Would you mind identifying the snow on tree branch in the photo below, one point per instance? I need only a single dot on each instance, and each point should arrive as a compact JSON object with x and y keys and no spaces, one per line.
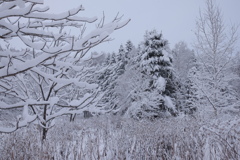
{"x":46,"y":78}
{"x":36,"y":22}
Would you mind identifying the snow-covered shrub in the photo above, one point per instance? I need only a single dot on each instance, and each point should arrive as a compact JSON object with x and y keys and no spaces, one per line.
{"x":106,"y":137}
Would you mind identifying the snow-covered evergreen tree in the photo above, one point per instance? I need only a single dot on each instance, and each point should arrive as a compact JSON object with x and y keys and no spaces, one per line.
{"x":190,"y":92}
{"x":107,"y":79}
{"x":121,"y":53}
{"x":129,"y":46}
{"x":183,"y":60}
{"x":156,"y":62}
{"x":107,"y":60}
{"x":113,"y":58}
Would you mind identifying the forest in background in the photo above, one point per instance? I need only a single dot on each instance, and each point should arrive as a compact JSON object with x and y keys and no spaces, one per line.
{"x":59,"y":101}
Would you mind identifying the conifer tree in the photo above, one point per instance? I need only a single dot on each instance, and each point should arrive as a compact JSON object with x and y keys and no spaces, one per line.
{"x":108,"y":79}
{"x":191,"y":98}
{"x":129,"y":46}
{"x":157,"y":64}
{"x":113,"y":58}
{"x":121,"y":53}
{"x":157,"y":61}
{"x":183,"y":60}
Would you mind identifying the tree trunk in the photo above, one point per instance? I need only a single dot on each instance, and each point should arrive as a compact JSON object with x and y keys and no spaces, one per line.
{"x":44,"y":134}
{"x":72,"y":117}
{"x":44,"y":131}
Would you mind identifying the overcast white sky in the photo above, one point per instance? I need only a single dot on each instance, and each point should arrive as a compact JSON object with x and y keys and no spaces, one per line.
{"x":175,"y":18}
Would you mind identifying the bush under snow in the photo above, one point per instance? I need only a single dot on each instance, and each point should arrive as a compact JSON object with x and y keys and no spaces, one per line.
{"x":117,"y":138}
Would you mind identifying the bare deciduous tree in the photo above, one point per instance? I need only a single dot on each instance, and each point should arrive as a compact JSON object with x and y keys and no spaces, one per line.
{"x":214,"y":48}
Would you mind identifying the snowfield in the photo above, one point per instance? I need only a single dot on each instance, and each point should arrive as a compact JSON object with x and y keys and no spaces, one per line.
{"x":112,"y":137}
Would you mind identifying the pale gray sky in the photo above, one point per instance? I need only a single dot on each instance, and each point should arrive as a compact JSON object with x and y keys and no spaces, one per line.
{"x":175,"y":18}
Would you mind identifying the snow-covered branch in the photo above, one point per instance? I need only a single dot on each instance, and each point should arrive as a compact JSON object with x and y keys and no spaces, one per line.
{"x":46,"y":78}
{"x":4,"y":105}
{"x":33,"y":21}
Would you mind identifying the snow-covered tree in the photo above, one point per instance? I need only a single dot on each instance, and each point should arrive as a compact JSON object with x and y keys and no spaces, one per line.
{"x":236,"y":70}
{"x":113,"y":58}
{"x":183,"y":60}
{"x":108,"y":58}
{"x":39,"y":77}
{"x":189,"y":101}
{"x":129,"y":46}
{"x":23,"y":19}
{"x":133,"y":97}
{"x":157,"y":60}
{"x":214,"y":48}
{"x":121,"y":53}
{"x":157,"y":63}
{"x":55,"y":88}
{"x":107,"y":80}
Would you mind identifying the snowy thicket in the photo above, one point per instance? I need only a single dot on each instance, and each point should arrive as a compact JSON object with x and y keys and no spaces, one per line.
{"x":129,"y":90}
{"x":109,"y":138}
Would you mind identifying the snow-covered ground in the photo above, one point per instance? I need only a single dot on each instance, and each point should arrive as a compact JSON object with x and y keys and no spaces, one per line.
{"x":107,"y":137}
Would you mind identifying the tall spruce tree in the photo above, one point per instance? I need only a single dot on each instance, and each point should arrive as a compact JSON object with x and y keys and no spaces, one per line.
{"x":191,"y":92}
{"x":157,"y":64}
{"x":121,"y":53}
{"x":157,"y":61}
{"x":129,"y":46}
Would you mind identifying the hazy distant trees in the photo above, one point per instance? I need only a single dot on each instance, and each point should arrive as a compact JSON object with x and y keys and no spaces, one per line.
{"x":183,"y":61}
